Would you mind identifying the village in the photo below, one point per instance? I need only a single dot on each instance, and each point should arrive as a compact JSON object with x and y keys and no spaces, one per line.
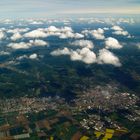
{"x":91,"y":115}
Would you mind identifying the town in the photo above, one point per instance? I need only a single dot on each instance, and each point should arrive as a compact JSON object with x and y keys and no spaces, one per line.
{"x":98,"y":113}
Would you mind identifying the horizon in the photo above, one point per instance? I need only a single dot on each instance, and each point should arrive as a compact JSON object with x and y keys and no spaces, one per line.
{"x":16,"y":9}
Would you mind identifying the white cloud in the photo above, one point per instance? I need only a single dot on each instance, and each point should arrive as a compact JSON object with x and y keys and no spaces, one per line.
{"x":16,"y":36}
{"x":78,"y":35}
{"x":2,"y":35}
{"x":27,"y":45}
{"x":52,"y":29}
{"x":66,"y":29}
{"x":38,"y":42}
{"x":63,"y":33}
{"x":83,"y":43}
{"x":91,"y":20}
{"x":97,"y":34}
{"x":59,"y":52}
{"x":33,"y":56}
{"x":70,"y":35}
{"x":75,"y":56}
{"x":7,"y":21}
{"x":119,"y":31}
{"x":22,"y":57}
{"x":109,"y":21}
{"x":21,"y":45}
{"x":85,"y":54}
{"x":126,"y":21}
{"x":117,"y":28}
{"x":55,"y":29}
{"x":138,"y":45}
{"x":66,"y":35}
{"x":36,"y":23}
{"x":86,"y":32}
{"x":107,"y":57}
{"x":106,"y":28}
{"x":124,"y":33}
{"x":35,"y":34}
{"x":4,"y":53}
{"x":18,"y":30}
{"x":2,"y":29}
{"x":112,"y":43}
{"x":17,"y":33}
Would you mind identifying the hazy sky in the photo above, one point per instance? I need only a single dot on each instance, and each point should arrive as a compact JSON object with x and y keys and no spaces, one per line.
{"x":58,"y":8}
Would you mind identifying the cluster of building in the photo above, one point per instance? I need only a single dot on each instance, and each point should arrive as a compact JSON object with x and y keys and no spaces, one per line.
{"x":106,"y":99}
{"x":95,"y":107}
{"x":25,"y":105}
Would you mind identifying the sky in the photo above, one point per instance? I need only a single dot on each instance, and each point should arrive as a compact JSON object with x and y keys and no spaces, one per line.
{"x":65,"y":8}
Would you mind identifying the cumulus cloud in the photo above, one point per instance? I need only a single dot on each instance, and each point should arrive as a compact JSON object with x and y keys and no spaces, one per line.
{"x":88,"y":57}
{"x":52,"y":29}
{"x":7,"y":21}
{"x":91,"y":20}
{"x":124,"y":33}
{"x":66,"y":29}
{"x":27,"y":45}
{"x":70,"y":35}
{"x":2,"y":29}
{"x":112,"y":43}
{"x":125,"y":20}
{"x":62,"y":29}
{"x":138,"y":45}
{"x":63,"y":33}
{"x":55,"y":29}
{"x":21,"y":45}
{"x":75,"y":56}
{"x":22,"y":57}
{"x":83,"y":43}
{"x":36,"y":23}
{"x":2,"y":35}
{"x":38,"y":42}
{"x":35,"y":34}
{"x":106,"y":28}
{"x":4,"y":53}
{"x":117,"y":28}
{"x":107,"y":57}
{"x":110,"y":21}
{"x":16,"y":36}
{"x":85,"y":54}
{"x":59,"y":52}
{"x":97,"y":34}
{"x":18,"y":30}
{"x":17,"y":33}
{"x":78,"y":35}
{"x":33,"y":56}
{"x":66,"y":35}
{"x":120,"y":31}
